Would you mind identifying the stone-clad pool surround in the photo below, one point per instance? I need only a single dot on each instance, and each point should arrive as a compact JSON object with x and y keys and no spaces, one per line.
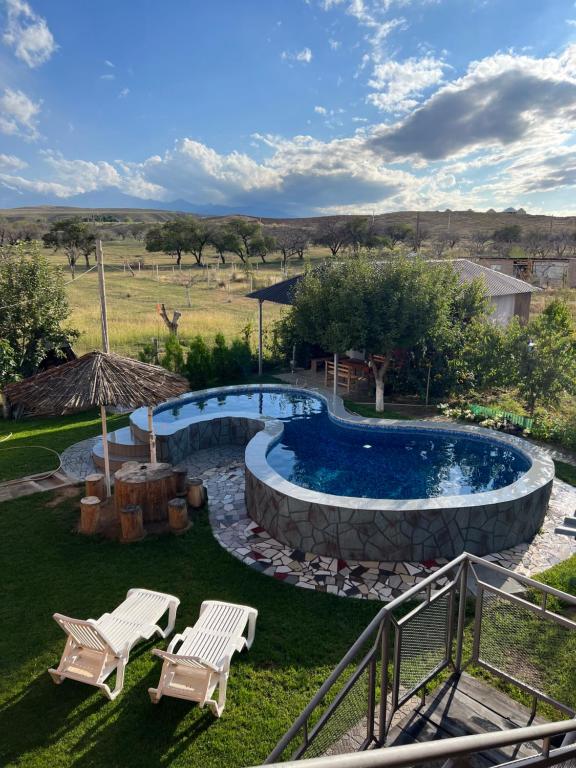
{"x":360,"y":528}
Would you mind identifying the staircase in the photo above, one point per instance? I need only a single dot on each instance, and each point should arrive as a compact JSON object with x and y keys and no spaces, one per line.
{"x":123,"y":446}
{"x":569,"y":527}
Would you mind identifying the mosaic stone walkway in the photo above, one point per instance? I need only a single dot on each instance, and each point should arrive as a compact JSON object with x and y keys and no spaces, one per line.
{"x":222,"y":470}
{"x":223,"y":473}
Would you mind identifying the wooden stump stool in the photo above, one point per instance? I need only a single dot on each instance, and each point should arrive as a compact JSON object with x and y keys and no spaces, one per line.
{"x":178,"y":515}
{"x":89,"y":515}
{"x":132,"y":523}
{"x":195,"y":492}
{"x":96,"y":486}
{"x":180,"y":480}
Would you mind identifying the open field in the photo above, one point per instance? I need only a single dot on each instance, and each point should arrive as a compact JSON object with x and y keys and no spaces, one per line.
{"x":217,"y":296}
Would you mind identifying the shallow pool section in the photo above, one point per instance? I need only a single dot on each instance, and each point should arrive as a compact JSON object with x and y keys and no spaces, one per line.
{"x":322,"y":480}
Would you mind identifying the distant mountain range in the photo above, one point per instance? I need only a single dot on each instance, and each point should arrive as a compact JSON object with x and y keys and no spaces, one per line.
{"x":110,"y":198}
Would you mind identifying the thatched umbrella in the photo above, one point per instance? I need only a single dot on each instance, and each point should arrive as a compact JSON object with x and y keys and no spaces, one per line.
{"x":96,"y":379}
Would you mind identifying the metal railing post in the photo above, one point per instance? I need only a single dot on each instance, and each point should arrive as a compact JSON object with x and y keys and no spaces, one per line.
{"x":385,"y":652}
{"x":461,"y":616}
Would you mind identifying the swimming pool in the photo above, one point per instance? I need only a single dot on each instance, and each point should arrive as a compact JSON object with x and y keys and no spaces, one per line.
{"x":322,"y":480}
{"x":324,"y":455}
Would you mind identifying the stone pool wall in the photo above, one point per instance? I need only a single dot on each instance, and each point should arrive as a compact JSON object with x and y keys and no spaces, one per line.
{"x":223,"y":430}
{"x":400,"y":534}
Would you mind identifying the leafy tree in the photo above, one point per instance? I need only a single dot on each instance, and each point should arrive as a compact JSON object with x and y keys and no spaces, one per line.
{"x":246,"y":239}
{"x":173,"y":359}
{"x":198,"y":370}
{"x":8,"y":367}
{"x":380,"y":307}
{"x":289,"y":241}
{"x":545,"y":354}
{"x":173,"y":237}
{"x":223,"y":241}
{"x":33,"y":308}
{"x":74,"y":237}
{"x":332,"y":234}
{"x":397,"y":233}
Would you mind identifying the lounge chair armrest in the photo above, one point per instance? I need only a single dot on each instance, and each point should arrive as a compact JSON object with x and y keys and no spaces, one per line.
{"x":174,"y":658}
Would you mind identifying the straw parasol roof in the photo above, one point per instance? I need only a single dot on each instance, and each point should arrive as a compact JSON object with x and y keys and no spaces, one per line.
{"x":96,"y":378}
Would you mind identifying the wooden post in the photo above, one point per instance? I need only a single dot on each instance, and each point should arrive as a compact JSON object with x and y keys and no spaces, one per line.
{"x":151,"y":435}
{"x":105,"y":449}
{"x":195,"y":492}
{"x":260,"y":332}
{"x":102,"y":287}
{"x":335,"y":385}
{"x":96,"y":485}
{"x":131,"y":522}
{"x":89,"y":515}
{"x":178,"y":515}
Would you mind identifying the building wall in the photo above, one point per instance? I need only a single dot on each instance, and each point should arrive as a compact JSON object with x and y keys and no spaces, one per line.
{"x":504,"y":307}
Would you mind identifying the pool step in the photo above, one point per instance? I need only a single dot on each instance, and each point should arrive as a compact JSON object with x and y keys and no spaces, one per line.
{"x":123,"y":446}
{"x":569,"y":527}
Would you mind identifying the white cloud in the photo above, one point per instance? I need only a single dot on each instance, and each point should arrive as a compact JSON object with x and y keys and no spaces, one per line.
{"x":571,"y":22}
{"x":334,"y":44}
{"x":11,"y":162}
{"x":108,"y":63}
{"x":108,"y":77}
{"x":320,"y":110}
{"x":123,"y":93}
{"x":399,"y":85}
{"x":304,"y":56}
{"x":18,"y":114}
{"x":28,"y":34}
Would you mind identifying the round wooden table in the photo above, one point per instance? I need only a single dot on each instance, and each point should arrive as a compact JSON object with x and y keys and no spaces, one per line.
{"x":149,"y":485}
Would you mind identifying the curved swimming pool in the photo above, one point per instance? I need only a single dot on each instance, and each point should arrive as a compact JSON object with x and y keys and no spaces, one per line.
{"x":328,"y":456}
{"x":322,"y":480}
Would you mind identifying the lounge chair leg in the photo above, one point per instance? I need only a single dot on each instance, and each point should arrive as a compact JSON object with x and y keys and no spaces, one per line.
{"x":171,"y":621}
{"x":119,"y":680}
{"x":218,"y":707}
{"x":251,"y":629}
{"x":57,"y":678}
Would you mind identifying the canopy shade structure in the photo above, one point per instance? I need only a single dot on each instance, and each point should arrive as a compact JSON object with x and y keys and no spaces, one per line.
{"x":95,"y":379}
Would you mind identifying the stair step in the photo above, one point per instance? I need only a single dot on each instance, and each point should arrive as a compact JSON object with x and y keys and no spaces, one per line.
{"x":122,"y":442}
{"x":570,"y":522}
{"x":119,"y":457}
{"x":565,"y":530}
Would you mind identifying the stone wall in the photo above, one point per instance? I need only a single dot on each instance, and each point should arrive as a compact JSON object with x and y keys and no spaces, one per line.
{"x":420,"y":535}
{"x":225,"y":430}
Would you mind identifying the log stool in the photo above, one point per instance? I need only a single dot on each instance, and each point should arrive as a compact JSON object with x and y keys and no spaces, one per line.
{"x":180,"y":479}
{"x":149,"y":485}
{"x":195,"y":492}
{"x":178,"y":516}
{"x":132,"y":523}
{"x":96,"y":486}
{"x":89,"y":515}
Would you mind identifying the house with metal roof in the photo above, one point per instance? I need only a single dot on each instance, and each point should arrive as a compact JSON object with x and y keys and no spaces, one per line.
{"x":509,"y":296}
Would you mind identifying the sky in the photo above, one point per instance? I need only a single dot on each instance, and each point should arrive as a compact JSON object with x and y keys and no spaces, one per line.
{"x":289,"y":107}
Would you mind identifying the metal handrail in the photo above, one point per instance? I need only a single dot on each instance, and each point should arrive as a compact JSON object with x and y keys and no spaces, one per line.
{"x":459,"y":569}
{"x":352,"y":652}
{"x":410,"y":754}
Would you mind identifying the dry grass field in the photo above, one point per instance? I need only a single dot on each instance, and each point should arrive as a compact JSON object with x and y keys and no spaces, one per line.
{"x":215,"y":300}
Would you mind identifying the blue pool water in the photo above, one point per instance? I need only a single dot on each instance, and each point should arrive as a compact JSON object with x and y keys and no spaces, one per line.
{"x":318,"y":453}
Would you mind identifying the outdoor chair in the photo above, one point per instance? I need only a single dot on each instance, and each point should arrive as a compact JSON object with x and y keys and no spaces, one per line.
{"x":202,"y":662}
{"x":96,"y":648}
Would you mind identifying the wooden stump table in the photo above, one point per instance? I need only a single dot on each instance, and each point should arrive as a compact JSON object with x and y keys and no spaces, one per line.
{"x":151,"y":486}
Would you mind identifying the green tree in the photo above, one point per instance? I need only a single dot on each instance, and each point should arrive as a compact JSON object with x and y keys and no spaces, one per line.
{"x":33,"y":308}
{"x":199,"y":371}
{"x":245,"y":238}
{"x":379,"y":307}
{"x":74,"y":237}
{"x":223,"y":241}
{"x":186,"y":234}
{"x":545,"y":354}
{"x":173,"y":359}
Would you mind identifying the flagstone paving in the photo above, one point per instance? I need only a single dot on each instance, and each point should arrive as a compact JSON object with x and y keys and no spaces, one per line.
{"x":222,"y":470}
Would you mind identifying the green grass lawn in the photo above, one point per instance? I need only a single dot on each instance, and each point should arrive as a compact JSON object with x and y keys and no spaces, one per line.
{"x":19,"y":458}
{"x":370,"y":412}
{"x":566,"y":472}
{"x":300,"y":636}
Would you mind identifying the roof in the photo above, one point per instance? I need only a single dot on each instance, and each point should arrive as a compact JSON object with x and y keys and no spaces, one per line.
{"x":94,"y":379}
{"x":497,"y":283}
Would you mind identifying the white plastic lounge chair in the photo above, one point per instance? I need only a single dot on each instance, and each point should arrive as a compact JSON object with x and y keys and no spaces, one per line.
{"x":202,"y":662}
{"x":96,"y":648}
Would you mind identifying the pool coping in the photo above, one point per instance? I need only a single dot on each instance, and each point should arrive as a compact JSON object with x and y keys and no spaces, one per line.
{"x":540,"y":473}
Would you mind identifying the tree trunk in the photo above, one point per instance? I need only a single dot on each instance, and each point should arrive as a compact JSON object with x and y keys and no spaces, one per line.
{"x":380,"y":369}
{"x":87,"y":260}
{"x":221,"y":255}
{"x":178,"y":257}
